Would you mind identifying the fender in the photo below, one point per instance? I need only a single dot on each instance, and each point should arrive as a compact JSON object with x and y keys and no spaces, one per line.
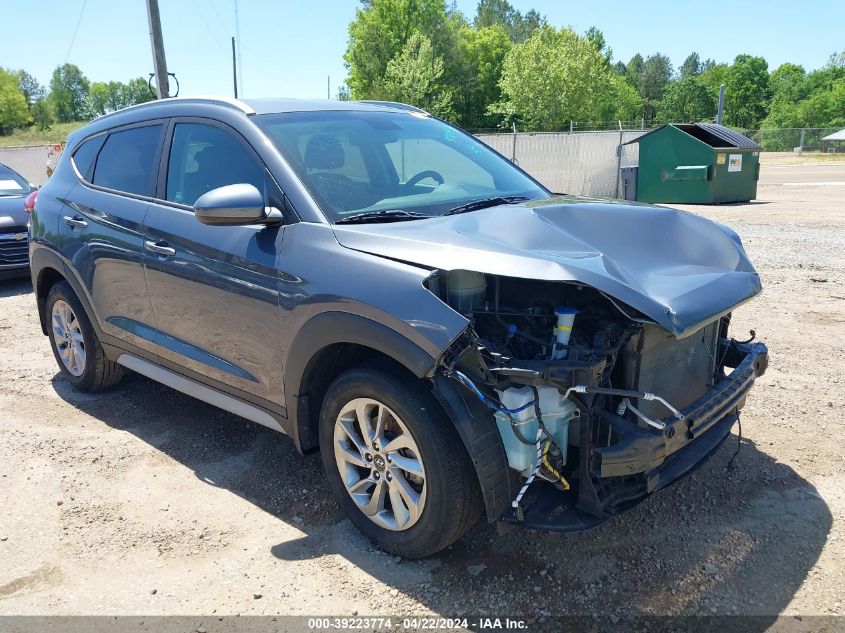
{"x":330,"y":328}
{"x":480,"y":435}
{"x":41,"y":257}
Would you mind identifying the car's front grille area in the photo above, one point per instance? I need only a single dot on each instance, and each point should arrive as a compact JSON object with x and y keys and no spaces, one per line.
{"x":14,"y":246}
{"x":679,"y":370}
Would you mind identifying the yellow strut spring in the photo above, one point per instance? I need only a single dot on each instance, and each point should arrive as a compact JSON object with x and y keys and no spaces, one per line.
{"x":549,"y":466}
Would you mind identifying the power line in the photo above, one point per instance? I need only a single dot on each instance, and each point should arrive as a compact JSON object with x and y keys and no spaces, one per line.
{"x":75,"y":30}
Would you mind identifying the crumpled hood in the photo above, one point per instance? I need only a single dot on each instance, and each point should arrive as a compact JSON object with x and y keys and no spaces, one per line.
{"x":677,"y":268}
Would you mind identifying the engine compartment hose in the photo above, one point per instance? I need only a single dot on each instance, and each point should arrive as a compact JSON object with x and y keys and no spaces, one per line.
{"x":624,"y":393}
{"x":466,"y":382}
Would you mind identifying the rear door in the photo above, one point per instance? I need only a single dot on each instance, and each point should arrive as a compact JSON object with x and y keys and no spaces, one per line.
{"x":213,"y":288}
{"x":100,"y":228}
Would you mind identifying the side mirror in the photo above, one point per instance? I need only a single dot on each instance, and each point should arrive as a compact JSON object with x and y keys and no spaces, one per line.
{"x":234,"y":205}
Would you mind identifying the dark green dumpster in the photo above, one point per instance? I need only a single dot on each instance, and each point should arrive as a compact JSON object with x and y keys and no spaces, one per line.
{"x":697,"y":163}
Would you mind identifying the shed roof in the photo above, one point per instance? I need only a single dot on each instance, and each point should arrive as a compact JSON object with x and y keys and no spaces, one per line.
{"x":710,"y":133}
{"x":836,"y":136}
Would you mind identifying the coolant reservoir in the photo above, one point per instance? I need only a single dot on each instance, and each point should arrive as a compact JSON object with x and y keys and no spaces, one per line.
{"x":466,"y":290}
{"x":557,"y":413}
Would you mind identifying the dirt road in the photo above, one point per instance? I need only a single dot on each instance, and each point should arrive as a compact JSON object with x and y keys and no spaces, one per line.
{"x":145,"y":501}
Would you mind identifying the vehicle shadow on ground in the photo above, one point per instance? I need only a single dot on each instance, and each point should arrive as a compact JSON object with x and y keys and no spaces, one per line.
{"x":15,"y":287}
{"x":719,"y":541}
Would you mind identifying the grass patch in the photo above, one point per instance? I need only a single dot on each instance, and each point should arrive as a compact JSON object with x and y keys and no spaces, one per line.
{"x":33,"y":136}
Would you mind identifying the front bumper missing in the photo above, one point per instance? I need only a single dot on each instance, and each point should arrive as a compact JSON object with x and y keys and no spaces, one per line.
{"x":648,"y":460}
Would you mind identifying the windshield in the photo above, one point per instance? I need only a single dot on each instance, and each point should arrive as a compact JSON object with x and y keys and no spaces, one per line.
{"x":12,"y":183}
{"x":366,"y":162}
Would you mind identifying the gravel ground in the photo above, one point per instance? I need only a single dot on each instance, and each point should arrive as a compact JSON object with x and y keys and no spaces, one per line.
{"x":145,"y":501}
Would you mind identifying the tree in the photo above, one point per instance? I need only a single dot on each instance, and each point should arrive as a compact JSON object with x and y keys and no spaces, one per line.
{"x":656,"y":75}
{"x":500,"y":12}
{"x":42,"y":114}
{"x":557,"y":76}
{"x":413,"y":77}
{"x":596,"y":38}
{"x":634,"y":71}
{"x":691,"y":66}
{"x":482,"y":53}
{"x":29,"y":86}
{"x":13,"y":110}
{"x":686,"y":101}
{"x":747,"y":92}
{"x":380,"y":31}
{"x":343,"y":93}
{"x":69,"y":93}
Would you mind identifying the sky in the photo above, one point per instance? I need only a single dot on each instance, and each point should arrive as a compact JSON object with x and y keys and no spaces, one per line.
{"x":290,"y":49}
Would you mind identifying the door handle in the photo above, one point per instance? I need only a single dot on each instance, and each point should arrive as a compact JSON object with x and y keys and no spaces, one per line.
{"x":160,"y":247}
{"x":77,"y":223}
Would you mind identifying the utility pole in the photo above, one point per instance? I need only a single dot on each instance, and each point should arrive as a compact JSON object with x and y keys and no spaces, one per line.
{"x":329,"y":87}
{"x":159,"y":61}
{"x":721,"y":109}
{"x":234,"y":69}
{"x":238,"y":36}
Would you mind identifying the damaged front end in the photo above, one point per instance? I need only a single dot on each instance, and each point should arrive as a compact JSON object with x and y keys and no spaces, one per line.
{"x":576,"y":406}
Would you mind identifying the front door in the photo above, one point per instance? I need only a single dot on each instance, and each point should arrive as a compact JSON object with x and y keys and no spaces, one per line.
{"x":213,"y":288}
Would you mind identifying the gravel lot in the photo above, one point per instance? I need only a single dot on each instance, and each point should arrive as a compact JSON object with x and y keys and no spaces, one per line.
{"x":145,"y":501}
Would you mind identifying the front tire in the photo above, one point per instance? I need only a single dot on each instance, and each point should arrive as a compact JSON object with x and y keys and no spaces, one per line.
{"x":77,"y":349}
{"x":395,"y":462}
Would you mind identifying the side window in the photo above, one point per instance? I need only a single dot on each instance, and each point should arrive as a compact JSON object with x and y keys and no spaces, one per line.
{"x":204,"y":157}
{"x":127,"y":160}
{"x":86,"y":154}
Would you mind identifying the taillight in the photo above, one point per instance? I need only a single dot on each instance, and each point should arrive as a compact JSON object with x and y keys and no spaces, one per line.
{"x":29,"y":203}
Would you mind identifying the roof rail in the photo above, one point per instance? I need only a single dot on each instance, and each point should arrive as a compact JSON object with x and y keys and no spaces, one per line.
{"x":393,"y":104}
{"x":227,"y":101}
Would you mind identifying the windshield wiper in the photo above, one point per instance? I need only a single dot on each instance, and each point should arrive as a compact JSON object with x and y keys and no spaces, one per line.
{"x":485,"y":203}
{"x":389,"y":215}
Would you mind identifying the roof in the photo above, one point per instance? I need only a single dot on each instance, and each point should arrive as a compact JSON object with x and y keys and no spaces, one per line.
{"x":272,"y":106}
{"x":710,"y":133}
{"x":836,"y":136}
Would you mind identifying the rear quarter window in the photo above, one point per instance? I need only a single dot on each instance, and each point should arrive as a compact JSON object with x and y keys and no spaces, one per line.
{"x":86,"y":154}
{"x":128,"y":160}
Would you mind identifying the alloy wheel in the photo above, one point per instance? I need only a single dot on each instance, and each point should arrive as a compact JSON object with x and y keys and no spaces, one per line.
{"x":67,"y":335}
{"x":380,"y":464}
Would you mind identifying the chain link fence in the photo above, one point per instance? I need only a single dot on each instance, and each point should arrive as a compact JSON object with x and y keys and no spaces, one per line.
{"x":789,"y":139}
{"x":581,"y":163}
{"x":589,"y":163}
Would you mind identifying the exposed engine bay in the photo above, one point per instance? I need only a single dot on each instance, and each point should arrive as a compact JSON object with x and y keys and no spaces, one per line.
{"x":595,"y":404}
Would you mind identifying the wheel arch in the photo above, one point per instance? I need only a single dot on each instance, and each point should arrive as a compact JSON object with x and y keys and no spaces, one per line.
{"x":325,"y":346}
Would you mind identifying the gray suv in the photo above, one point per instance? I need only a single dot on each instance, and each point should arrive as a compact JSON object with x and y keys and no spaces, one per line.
{"x":379,"y":285}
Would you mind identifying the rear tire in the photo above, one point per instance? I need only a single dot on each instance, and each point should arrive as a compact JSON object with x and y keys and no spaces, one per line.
{"x":418,"y":456}
{"x":77,"y":349}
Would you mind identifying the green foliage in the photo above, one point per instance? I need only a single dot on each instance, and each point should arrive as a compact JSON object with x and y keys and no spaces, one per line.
{"x":691,"y":66}
{"x":482,"y":53}
{"x":114,"y":95}
{"x":747,"y":92}
{"x":413,"y":77}
{"x":557,"y":76}
{"x":519,"y":27}
{"x":42,"y":115}
{"x":29,"y":86}
{"x":596,"y":38}
{"x":69,"y":93}
{"x":655,"y":77}
{"x":687,"y":101}
{"x":380,"y":31}
{"x":13,"y":108}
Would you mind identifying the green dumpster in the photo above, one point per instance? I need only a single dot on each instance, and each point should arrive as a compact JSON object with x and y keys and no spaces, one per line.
{"x":697,"y":163}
